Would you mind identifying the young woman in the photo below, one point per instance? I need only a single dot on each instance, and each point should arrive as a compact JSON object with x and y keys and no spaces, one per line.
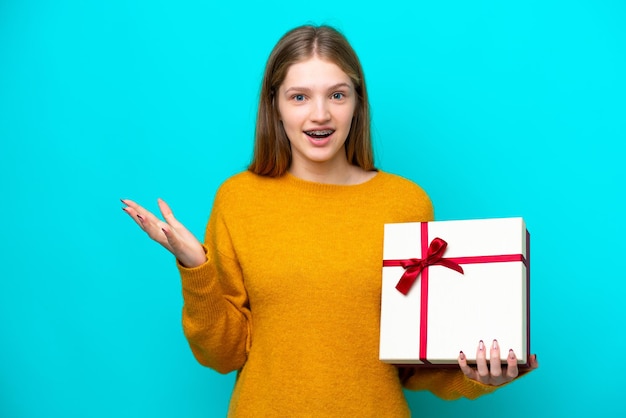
{"x":285,"y":289}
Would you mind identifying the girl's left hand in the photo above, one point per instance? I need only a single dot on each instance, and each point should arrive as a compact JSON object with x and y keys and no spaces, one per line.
{"x":493,"y":374}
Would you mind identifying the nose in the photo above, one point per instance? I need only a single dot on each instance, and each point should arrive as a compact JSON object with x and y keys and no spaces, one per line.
{"x":320,"y":111}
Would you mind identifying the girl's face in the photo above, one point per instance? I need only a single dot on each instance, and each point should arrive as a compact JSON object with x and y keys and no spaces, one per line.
{"x":316,"y":102}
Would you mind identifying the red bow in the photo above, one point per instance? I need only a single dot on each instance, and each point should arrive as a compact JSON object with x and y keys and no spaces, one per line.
{"x":414,"y":266}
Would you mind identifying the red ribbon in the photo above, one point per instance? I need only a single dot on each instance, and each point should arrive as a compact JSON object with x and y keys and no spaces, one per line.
{"x":413,"y":267}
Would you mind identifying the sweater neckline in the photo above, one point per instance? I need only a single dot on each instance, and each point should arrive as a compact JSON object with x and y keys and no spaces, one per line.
{"x":329,"y":187}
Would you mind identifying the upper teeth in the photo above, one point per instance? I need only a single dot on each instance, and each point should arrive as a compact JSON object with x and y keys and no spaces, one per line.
{"x":324,"y":132}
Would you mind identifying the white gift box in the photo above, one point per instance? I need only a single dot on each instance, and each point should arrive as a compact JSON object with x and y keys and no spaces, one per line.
{"x":445,"y":311}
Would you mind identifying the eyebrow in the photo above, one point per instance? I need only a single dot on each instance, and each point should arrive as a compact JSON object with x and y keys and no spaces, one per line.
{"x":308,"y":90}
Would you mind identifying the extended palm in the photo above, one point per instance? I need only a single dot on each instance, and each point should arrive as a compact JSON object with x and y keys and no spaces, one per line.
{"x":169,"y":233}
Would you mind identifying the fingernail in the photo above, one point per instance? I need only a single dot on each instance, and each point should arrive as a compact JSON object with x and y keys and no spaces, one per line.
{"x":140,"y":217}
{"x":481,"y":345}
{"x":511,"y":353}
{"x":164,"y":231}
{"x":124,"y":209}
{"x":122,"y":200}
{"x":495,"y":345}
{"x":461,"y":355}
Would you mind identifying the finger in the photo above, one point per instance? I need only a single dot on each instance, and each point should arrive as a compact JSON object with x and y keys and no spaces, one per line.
{"x":533,"y":361}
{"x":172,"y":243}
{"x":166,"y":211}
{"x":133,"y":215}
{"x":481,"y":362}
{"x":465,"y":368}
{"x":511,"y":370}
{"x":183,"y":233}
{"x":146,"y":221}
{"x":138,"y":213}
{"x":168,"y":215}
{"x":132,"y":205}
{"x":494,"y":361}
{"x":155,"y":230}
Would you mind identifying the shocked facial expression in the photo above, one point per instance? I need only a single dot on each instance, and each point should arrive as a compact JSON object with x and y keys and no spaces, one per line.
{"x":316,"y":102}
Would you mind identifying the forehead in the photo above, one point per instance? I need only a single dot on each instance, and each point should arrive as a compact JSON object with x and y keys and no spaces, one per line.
{"x":314,"y":72}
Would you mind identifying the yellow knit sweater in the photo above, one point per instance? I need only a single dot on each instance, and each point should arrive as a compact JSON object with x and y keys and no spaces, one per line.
{"x":290,"y":297}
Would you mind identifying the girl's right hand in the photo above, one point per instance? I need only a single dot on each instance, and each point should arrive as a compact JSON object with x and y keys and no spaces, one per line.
{"x":171,"y":234}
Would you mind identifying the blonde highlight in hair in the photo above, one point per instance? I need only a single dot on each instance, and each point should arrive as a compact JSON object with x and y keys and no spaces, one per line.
{"x":272,"y":150}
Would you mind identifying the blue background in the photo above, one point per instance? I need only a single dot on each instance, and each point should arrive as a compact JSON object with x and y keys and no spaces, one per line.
{"x":496,"y":108}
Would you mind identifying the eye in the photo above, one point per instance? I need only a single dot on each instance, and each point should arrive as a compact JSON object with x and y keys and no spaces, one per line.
{"x":298,"y":97}
{"x":338,"y":96}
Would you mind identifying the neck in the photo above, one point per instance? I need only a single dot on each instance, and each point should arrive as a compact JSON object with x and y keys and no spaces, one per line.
{"x":327,"y":173}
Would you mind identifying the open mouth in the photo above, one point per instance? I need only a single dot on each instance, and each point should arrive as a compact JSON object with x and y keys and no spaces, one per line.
{"x":320,"y":134}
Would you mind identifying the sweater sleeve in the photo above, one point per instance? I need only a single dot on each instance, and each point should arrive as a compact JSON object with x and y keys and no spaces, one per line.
{"x":448,"y":384}
{"x":216,"y":314}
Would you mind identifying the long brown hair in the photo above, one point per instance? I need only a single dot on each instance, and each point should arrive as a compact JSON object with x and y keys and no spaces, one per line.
{"x":272,"y":151}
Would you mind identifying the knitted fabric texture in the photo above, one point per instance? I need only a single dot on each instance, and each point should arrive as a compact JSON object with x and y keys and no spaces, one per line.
{"x":290,"y":298}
